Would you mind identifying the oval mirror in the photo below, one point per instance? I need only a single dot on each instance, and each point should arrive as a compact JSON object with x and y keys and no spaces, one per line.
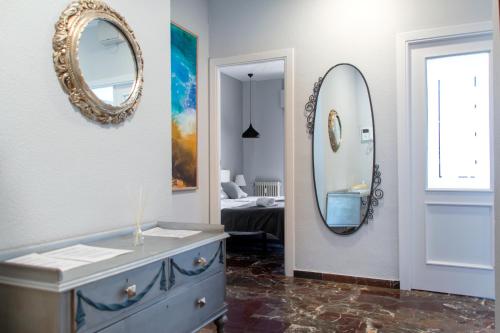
{"x":98,"y":61}
{"x":107,"y":62}
{"x":343,"y":149}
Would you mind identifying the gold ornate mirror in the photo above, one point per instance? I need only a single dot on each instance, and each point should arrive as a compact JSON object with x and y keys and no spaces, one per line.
{"x":98,"y":61}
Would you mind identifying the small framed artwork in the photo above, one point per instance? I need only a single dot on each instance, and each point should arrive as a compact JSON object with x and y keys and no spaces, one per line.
{"x":184,"y":106}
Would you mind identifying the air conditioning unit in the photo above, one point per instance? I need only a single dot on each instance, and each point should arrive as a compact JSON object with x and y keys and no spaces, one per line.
{"x":108,"y":34}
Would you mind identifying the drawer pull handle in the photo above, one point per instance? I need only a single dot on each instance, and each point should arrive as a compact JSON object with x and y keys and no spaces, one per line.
{"x":201,"y":302}
{"x":201,"y":261}
{"x":131,"y":291}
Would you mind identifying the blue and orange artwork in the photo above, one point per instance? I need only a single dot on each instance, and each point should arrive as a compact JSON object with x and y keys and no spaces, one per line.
{"x":184,"y":48}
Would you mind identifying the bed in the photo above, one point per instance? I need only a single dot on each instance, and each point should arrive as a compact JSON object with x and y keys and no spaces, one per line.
{"x":244,"y":217}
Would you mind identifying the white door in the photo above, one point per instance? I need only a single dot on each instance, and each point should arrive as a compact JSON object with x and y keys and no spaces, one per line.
{"x":452,"y":218}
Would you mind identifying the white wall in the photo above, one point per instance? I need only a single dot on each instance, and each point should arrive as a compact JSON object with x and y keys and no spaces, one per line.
{"x":231,"y":153}
{"x":263,"y":157}
{"x":324,"y":33}
{"x":192,"y":206}
{"x":60,"y":174}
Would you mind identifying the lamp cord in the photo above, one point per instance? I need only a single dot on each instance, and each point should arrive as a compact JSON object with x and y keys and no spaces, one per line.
{"x":250,"y":100}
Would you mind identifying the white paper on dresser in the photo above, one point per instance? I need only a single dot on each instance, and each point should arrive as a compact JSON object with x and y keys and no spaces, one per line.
{"x":85,"y":253}
{"x":38,"y":260}
{"x":172,"y":233}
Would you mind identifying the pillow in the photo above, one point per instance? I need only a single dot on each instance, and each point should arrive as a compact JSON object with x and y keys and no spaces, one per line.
{"x":242,"y":193}
{"x":233,"y":190}
{"x":223,"y":195}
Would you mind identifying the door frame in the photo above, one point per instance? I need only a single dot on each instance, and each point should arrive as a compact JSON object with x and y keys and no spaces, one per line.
{"x":287,"y":55}
{"x":404,"y":44}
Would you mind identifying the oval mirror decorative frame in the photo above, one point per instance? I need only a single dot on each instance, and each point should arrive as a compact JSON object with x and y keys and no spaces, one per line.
{"x":376,"y":193}
{"x":69,"y":28}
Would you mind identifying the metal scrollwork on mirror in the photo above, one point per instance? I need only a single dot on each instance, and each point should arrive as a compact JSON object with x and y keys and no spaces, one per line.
{"x":98,"y":61}
{"x":346,"y":178}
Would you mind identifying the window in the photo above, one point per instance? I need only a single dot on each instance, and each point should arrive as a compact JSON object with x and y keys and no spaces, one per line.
{"x":458,"y":122}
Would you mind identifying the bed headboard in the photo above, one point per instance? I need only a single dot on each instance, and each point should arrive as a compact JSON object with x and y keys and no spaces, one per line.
{"x":225,"y":176}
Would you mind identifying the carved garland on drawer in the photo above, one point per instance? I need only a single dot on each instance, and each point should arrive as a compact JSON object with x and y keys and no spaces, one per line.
{"x":173,"y":265}
{"x":80,"y":312}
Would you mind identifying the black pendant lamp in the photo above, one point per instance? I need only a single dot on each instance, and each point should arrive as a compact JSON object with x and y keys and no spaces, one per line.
{"x":250,"y":133}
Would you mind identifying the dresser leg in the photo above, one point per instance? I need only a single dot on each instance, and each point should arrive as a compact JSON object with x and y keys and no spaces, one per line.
{"x":220,"y":323}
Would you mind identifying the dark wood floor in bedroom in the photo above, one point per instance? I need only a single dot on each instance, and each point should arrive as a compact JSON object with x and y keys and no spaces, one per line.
{"x":262,"y":299}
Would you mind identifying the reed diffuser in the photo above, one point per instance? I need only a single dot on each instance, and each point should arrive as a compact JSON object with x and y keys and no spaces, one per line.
{"x":138,"y":236}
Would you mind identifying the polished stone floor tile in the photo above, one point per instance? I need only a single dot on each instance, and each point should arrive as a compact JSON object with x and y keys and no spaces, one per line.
{"x":262,"y":299}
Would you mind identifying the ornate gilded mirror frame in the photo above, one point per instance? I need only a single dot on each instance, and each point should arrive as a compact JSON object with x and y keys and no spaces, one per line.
{"x":69,"y":28}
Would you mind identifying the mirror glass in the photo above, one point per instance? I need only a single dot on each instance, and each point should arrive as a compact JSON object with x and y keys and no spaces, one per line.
{"x":107,"y":62}
{"x":343,"y":149}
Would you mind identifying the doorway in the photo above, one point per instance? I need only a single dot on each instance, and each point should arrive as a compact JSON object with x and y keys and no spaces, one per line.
{"x":445,"y":129}
{"x":217,"y":69}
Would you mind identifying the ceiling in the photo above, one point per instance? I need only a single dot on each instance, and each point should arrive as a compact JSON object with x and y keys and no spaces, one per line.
{"x":262,"y":71}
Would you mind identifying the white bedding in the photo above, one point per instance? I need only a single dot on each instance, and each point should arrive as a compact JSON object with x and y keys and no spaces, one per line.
{"x":234,"y":203}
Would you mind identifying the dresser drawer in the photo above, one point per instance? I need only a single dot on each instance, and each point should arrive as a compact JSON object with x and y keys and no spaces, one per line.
{"x":111,"y":299}
{"x":181,"y":313}
{"x":197,"y":264}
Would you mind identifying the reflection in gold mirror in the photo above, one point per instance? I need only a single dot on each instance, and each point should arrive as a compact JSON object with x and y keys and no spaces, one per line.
{"x":334,"y":130}
{"x":98,"y":61}
{"x":107,"y":62}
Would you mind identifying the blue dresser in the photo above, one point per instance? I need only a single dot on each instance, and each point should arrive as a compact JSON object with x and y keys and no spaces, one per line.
{"x":166,"y":285}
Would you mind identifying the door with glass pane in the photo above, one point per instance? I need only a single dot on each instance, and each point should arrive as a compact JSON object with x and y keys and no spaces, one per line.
{"x":452,"y":215}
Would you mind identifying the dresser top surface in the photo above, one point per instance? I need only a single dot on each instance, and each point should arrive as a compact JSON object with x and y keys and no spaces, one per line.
{"x":153,"y":249}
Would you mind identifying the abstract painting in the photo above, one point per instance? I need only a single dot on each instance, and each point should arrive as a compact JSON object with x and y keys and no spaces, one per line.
{"x":184,"y":51}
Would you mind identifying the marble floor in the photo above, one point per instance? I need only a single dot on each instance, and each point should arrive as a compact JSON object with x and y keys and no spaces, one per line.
{"x":262,"y":299}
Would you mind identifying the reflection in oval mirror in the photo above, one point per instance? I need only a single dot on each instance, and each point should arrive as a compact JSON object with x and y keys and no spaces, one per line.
{"x":343,"y":175}
{"x":107,"y":62}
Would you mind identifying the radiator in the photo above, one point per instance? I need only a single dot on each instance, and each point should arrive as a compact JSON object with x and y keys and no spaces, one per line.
{"x":268,"y":188}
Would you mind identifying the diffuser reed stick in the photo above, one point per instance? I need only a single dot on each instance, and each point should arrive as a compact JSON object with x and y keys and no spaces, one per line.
{"x":138,"y":236}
